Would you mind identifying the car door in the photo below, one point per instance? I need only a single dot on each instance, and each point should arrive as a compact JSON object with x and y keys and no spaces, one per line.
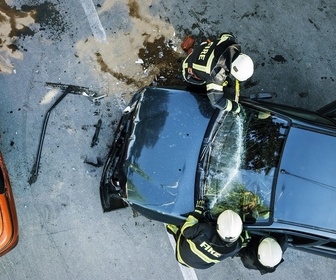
{"x":304,"y":241}
{"x":312,"y":244}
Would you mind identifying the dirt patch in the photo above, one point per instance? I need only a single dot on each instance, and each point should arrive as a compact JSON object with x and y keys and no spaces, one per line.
{"x":17,"y":23}
{"x":47,"y":16}
{"x":14,"y":23}
{"x":163,"y":61}
{"x":144,"y":54}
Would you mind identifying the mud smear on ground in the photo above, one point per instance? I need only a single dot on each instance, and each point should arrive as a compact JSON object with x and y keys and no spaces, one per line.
{"x":121,"y":77}
{"x":14,"y":23}
{"x":18,"y":23}
{"x":164,"y":62}
{"x":159,"y":62}
{"x":146,"y":52}
{"x":48,"y":17}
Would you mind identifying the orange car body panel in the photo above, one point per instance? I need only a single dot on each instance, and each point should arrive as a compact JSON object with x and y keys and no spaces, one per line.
{"x":9,"y":230}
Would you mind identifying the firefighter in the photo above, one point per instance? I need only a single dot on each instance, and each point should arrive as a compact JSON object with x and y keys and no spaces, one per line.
{"x":200,"y":245}
{"x":212,"y":63}
{"x":264,"y":253}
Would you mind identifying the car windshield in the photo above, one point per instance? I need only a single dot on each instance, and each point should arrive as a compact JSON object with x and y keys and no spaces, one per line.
{"x":239,"y":162}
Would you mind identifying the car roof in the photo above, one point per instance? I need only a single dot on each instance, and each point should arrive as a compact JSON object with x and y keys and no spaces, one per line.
{"x":306,"y":183}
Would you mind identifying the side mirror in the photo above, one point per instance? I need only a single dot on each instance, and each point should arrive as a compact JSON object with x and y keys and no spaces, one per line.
{"x":262,"y":95}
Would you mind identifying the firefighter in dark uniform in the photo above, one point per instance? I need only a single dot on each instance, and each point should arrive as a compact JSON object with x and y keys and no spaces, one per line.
{"x":211,"y":63}
{"x":264,"y":253}
{"x":200,"y":245}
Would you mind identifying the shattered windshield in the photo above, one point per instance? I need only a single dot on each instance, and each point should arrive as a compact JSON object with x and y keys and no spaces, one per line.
{"x":239,"y":163}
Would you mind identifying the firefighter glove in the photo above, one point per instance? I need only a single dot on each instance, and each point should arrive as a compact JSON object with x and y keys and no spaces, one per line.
{"x":200,"y":205}
{"x":236,"y":108}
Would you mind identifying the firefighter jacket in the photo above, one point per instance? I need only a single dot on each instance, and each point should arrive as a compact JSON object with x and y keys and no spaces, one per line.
{"x":210,"y":64}
{"x":249,"y":254}
{"x":199,"y":246}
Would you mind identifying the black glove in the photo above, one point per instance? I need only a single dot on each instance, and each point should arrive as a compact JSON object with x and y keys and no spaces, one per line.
{"x":200,"y":205}
{"x":199,"y":210}
{"x":235,"y":108}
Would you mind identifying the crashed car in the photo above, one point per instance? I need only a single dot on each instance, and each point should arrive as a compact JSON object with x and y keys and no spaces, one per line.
{"x":273,"y":164}
{"x":9,"y":232}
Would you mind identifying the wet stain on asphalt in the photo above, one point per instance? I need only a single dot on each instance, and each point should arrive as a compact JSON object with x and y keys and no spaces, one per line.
{"x":248,"y":15}
{"x":134,"y":9}
{"x":279,"y":58}
{"x":16,"y":24}
{"x":47,"y":15}
{"x":249,"y":84}
{"x":159,"y":60}
{"x":303,"y":94}
{"x":132,"y":65}
{"x":12,"y":16}
{"x":164,"y":62}
{"x":119,"y":76}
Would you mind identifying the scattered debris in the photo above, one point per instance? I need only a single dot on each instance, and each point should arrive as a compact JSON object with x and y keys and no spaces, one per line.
{"x":66,"y":89}
{"x":75,"y":90}
{"x":279,"y":58}
{"x":162,"y":62}
{"x":97,"y":98}
{"x":95,"y":141}
{"x":99,"y":162}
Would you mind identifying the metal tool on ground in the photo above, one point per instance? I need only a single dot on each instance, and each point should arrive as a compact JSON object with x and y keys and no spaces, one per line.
{"x":94,"y":141}
{"x":66,"y":89}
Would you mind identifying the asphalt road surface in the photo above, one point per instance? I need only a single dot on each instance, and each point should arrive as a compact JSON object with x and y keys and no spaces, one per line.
{"x":112,"y":48}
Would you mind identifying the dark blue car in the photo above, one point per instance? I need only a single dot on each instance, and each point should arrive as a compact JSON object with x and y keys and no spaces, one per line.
{"x":274,"y":165}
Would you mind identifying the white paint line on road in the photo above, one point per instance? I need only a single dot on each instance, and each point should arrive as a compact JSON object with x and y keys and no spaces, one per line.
{"x":94,"y":21}
{"x":188,"y":273}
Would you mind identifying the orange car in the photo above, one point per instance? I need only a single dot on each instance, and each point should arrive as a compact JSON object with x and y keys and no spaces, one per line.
{"x":9,"y":232}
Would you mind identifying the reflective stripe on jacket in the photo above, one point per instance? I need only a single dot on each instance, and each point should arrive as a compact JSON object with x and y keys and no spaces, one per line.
{"x":199,"y":246}
{"x":211,"y":63}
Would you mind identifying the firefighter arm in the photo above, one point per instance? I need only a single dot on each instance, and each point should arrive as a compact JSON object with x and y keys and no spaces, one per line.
{"x":217,"y":99}
{"x":190,"y":228}
{"x":215,"y":95}
{"x":226,"y":36}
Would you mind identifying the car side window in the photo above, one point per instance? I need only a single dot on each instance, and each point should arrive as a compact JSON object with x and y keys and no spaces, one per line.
{"x":297,"y":239}
{"x":305,"y":115}
{"x":313,"y":244}
{"x":303,"y":241}
{"x":329,"y":246}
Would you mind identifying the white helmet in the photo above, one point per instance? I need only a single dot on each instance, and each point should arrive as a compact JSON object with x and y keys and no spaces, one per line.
{"x":229,"y":226}
{"x":242,"y":67}
{"x":269,"y":252}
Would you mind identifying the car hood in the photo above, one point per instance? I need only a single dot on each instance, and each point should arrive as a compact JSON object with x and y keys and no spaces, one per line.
{"x":168,"y":129}
{"x":306,"y":186}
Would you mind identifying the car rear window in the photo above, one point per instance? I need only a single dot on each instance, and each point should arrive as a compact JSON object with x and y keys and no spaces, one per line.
{"x":240,"y":163}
